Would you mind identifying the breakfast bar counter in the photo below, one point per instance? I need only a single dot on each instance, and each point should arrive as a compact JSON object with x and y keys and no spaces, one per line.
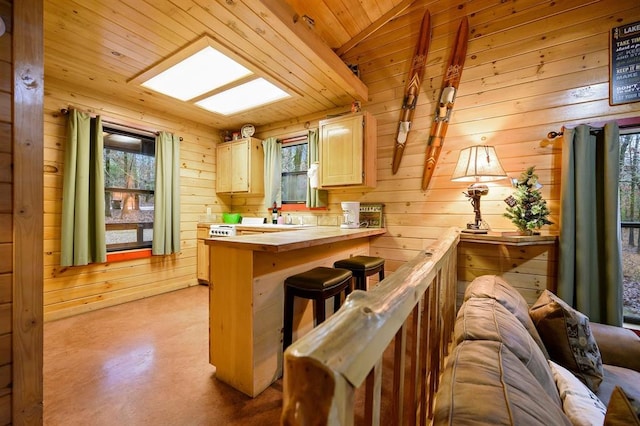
{"x":246,"y":298}
{"x":295,"y":237}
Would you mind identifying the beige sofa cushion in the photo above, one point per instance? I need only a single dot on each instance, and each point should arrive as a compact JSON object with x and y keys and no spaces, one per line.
{"x":627,"y":379}
{"x":486,"y":319}
{"x":495,"y":287}
{"x":567,"y":336}
{"x":484,"y":383}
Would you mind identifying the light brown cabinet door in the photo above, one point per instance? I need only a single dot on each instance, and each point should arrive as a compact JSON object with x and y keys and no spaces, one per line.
{"x":223,"y":168}
{"x":240,"y":166}
{"x":240,"y":169}
{"x":341,"y":159}
{"x":203,"y":262}
{"x":348,"y":156}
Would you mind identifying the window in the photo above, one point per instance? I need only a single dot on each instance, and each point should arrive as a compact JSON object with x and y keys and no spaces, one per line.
{"x":295,"y":153}
{"x":129,"y":179}
{"x":630,"y":222}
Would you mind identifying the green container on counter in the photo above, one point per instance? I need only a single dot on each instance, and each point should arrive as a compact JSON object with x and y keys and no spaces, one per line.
{"x":231,"y":217}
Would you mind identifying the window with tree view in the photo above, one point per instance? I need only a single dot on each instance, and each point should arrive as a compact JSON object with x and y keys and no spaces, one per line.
{"x":129,"y":178}
{"x":630,"y":222}
{"x":294,"y":170}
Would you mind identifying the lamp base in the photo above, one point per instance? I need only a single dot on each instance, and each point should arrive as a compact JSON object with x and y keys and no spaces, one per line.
{"x":475,"y":231}
{"x":476,"y":228}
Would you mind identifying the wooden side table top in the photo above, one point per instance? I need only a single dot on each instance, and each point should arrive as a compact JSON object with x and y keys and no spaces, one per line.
{"x":508,"y":238}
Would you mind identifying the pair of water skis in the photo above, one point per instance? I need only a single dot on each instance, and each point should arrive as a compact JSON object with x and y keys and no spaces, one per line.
{"x":446,"y":100}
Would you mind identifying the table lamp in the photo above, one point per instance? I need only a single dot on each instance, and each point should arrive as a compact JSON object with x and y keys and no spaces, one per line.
{"x":477,"y":164}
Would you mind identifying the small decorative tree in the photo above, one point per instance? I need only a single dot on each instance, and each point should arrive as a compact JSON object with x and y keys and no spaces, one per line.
{"x":527,"y":209}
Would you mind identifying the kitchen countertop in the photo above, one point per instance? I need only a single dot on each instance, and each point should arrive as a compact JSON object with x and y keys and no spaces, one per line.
{"x":292,"y":238}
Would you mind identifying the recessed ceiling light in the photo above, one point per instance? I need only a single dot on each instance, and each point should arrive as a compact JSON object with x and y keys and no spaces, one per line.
{"x":200,"y":73}
{"x":246,"y":96}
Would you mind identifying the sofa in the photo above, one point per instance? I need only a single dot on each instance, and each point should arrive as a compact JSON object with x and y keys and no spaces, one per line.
{"x":512,"y":364}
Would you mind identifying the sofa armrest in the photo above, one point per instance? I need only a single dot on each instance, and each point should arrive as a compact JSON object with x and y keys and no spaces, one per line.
{"x":618,"y":346}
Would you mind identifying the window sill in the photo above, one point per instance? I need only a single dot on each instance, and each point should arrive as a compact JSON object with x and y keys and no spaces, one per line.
{"x":119,"y":256}
{"x":299,"y":208}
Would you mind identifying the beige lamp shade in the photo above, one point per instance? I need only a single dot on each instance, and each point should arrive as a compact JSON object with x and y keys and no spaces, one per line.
{"x":478,"y":164}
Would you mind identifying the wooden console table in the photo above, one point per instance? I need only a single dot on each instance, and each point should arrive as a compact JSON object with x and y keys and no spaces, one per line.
{"x":529,"y":263}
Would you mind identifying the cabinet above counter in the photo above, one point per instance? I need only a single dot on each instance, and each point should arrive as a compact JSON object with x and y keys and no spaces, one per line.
{"x":240,"y":166}
{"x":348,"y":145}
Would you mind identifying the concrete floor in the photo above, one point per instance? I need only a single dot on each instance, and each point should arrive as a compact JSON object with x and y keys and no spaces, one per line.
{"x":144,"y":363}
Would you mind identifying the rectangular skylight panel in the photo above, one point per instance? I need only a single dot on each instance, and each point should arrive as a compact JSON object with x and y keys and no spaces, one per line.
{"x":244,"y":97}
{"x":200,"y":73}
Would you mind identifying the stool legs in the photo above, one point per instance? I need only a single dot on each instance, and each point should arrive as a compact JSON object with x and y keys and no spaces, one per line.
{"x":360,"y":278}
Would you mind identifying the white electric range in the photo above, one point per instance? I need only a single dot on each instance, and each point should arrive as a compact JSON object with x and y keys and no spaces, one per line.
{"x":229,"y":230}
{"x":222,"y":231}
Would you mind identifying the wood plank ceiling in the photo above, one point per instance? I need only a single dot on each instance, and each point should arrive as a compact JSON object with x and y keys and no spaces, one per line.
{"x":103,"y":44}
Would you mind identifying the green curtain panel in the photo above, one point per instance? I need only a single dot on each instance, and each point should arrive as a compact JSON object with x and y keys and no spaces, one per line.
{"x":315,"y":197}
{"x":272,"y":172}
{"x":82,"y":228}
{"x":590,"y":268}
{"x":166,"y":215}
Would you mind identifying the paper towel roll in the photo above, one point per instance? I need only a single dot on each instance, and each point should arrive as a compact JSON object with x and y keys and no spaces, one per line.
{"x":312,"y":174}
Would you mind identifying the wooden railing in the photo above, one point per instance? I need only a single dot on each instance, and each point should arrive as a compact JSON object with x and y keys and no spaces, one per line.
{"x":407,"y":320}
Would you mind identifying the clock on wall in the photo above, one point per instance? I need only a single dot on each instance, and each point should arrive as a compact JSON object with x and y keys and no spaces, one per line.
{"x":247,"y":130}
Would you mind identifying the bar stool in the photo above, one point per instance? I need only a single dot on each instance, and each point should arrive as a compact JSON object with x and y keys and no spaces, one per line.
{"x":362,"y":267}
{"x":317,"y":284}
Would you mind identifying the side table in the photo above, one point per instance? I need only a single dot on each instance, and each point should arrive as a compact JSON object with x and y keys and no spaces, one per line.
{"x":529,"y":263}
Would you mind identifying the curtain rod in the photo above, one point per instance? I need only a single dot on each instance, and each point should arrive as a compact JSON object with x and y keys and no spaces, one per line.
{"x":293,"y":139}
{"x":65,"y":111}
{"x":622,"y":123}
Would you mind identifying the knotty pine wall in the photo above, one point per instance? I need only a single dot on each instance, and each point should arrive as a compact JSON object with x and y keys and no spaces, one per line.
{"x":73,"y":290}
{"x":532,"y":66}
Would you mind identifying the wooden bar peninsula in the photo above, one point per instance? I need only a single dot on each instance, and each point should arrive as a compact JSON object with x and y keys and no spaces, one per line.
{"x":246,"y":296}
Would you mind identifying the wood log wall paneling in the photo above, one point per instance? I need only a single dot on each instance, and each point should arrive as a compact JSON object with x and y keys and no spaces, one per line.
{"x":73,"y":290}
{"x":532,"y":67}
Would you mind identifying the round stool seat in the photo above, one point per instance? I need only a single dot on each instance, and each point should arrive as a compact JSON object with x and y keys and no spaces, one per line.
{"x":320,"y":278}
{"x":360,"y":263}
{"x":362,"y":267}
{"x":317,"y":284}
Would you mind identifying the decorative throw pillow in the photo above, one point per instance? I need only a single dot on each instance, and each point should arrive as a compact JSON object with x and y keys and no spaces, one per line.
{"x":622,"y":411}
{"x":578,"y":402}
{"x":568,"y":339}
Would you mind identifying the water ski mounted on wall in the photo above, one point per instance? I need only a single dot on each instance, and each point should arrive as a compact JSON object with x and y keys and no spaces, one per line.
{"x":446,"y":101}
{"x":413,"y":88}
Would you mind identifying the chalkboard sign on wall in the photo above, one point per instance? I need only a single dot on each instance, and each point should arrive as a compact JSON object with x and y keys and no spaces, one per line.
{"x":624,"y":82}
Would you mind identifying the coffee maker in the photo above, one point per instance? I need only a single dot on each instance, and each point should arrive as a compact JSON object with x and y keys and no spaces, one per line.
{"x":350,"y":214}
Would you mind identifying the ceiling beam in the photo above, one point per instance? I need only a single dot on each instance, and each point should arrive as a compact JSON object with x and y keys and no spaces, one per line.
{"x":314,"y":47}
{"x":374,"y":26}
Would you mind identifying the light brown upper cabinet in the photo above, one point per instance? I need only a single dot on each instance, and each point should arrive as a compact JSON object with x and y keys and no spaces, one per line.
{"x":348,"y":151}
{"x":240,"y":166}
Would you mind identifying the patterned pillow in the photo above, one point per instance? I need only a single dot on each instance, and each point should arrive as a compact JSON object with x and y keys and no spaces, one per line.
{"x":568,"y":339}
{"x":578,"y":402}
